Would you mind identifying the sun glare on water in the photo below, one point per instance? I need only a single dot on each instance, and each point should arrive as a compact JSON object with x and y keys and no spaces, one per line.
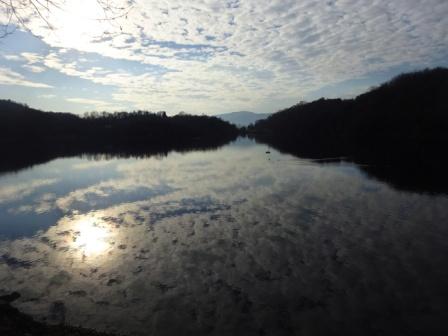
{"x":92,"y":237}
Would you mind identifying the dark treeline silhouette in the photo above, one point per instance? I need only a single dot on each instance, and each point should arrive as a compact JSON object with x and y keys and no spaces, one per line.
{"x":404,"y":120}
{"x":29,"y":136}
{"x":21,"y":124}
{"x":428,"y":178}
{"x":398,"y":132}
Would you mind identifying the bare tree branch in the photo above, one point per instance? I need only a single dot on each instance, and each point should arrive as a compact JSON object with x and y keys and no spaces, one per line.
{"x":17,"y":12}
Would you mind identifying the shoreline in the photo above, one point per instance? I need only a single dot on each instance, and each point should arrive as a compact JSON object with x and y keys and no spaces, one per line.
{"x":15,"y":323}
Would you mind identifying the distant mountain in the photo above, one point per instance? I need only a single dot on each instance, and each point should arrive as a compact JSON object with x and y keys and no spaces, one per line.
{"x":243,"y":118}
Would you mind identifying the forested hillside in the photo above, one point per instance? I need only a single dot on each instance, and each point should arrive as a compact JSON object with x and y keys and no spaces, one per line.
{"x":404,"y":119}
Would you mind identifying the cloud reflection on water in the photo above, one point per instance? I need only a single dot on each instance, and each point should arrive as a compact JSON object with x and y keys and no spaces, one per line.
{"x":237,"y":241}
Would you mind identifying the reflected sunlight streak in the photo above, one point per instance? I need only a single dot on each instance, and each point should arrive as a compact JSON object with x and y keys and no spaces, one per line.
{"x":92,"y":239}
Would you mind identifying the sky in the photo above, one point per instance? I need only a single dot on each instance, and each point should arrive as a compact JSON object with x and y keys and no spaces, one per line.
{"x":214,"y":56}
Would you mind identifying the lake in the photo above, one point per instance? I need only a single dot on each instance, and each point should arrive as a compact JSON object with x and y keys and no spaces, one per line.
{"x":238,"y":240}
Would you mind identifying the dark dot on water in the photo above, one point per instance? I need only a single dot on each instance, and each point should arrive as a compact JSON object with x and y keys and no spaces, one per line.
{"x":112,"y":282}
{"x":139,"y":269}
{"x":102,"y":303}
{"x":78,"y":293}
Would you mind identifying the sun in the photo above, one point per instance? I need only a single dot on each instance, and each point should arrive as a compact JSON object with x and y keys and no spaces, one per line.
{"x":77,"y":22}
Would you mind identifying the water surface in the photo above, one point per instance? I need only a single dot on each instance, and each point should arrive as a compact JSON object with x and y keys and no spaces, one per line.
{"x":226,"y":242}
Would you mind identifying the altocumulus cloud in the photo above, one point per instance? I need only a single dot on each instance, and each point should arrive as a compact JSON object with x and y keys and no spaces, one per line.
{"x":9,"y":77}
{"x":211,"y":56}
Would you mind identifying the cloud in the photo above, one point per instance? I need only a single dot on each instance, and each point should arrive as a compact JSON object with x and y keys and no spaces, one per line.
{"x":95,"y":103}
{"x":12,"y":57}
{"x":91,"y":165}
{"x":34,"y":68}
{"x":47,"y":96}
{"x":42,"y":204}
{"x":34,"y":62}
{"x":9,"y":77}
{"x":18,"y":191}
{"x":32,"y":58}
{"x":225,"y":55}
